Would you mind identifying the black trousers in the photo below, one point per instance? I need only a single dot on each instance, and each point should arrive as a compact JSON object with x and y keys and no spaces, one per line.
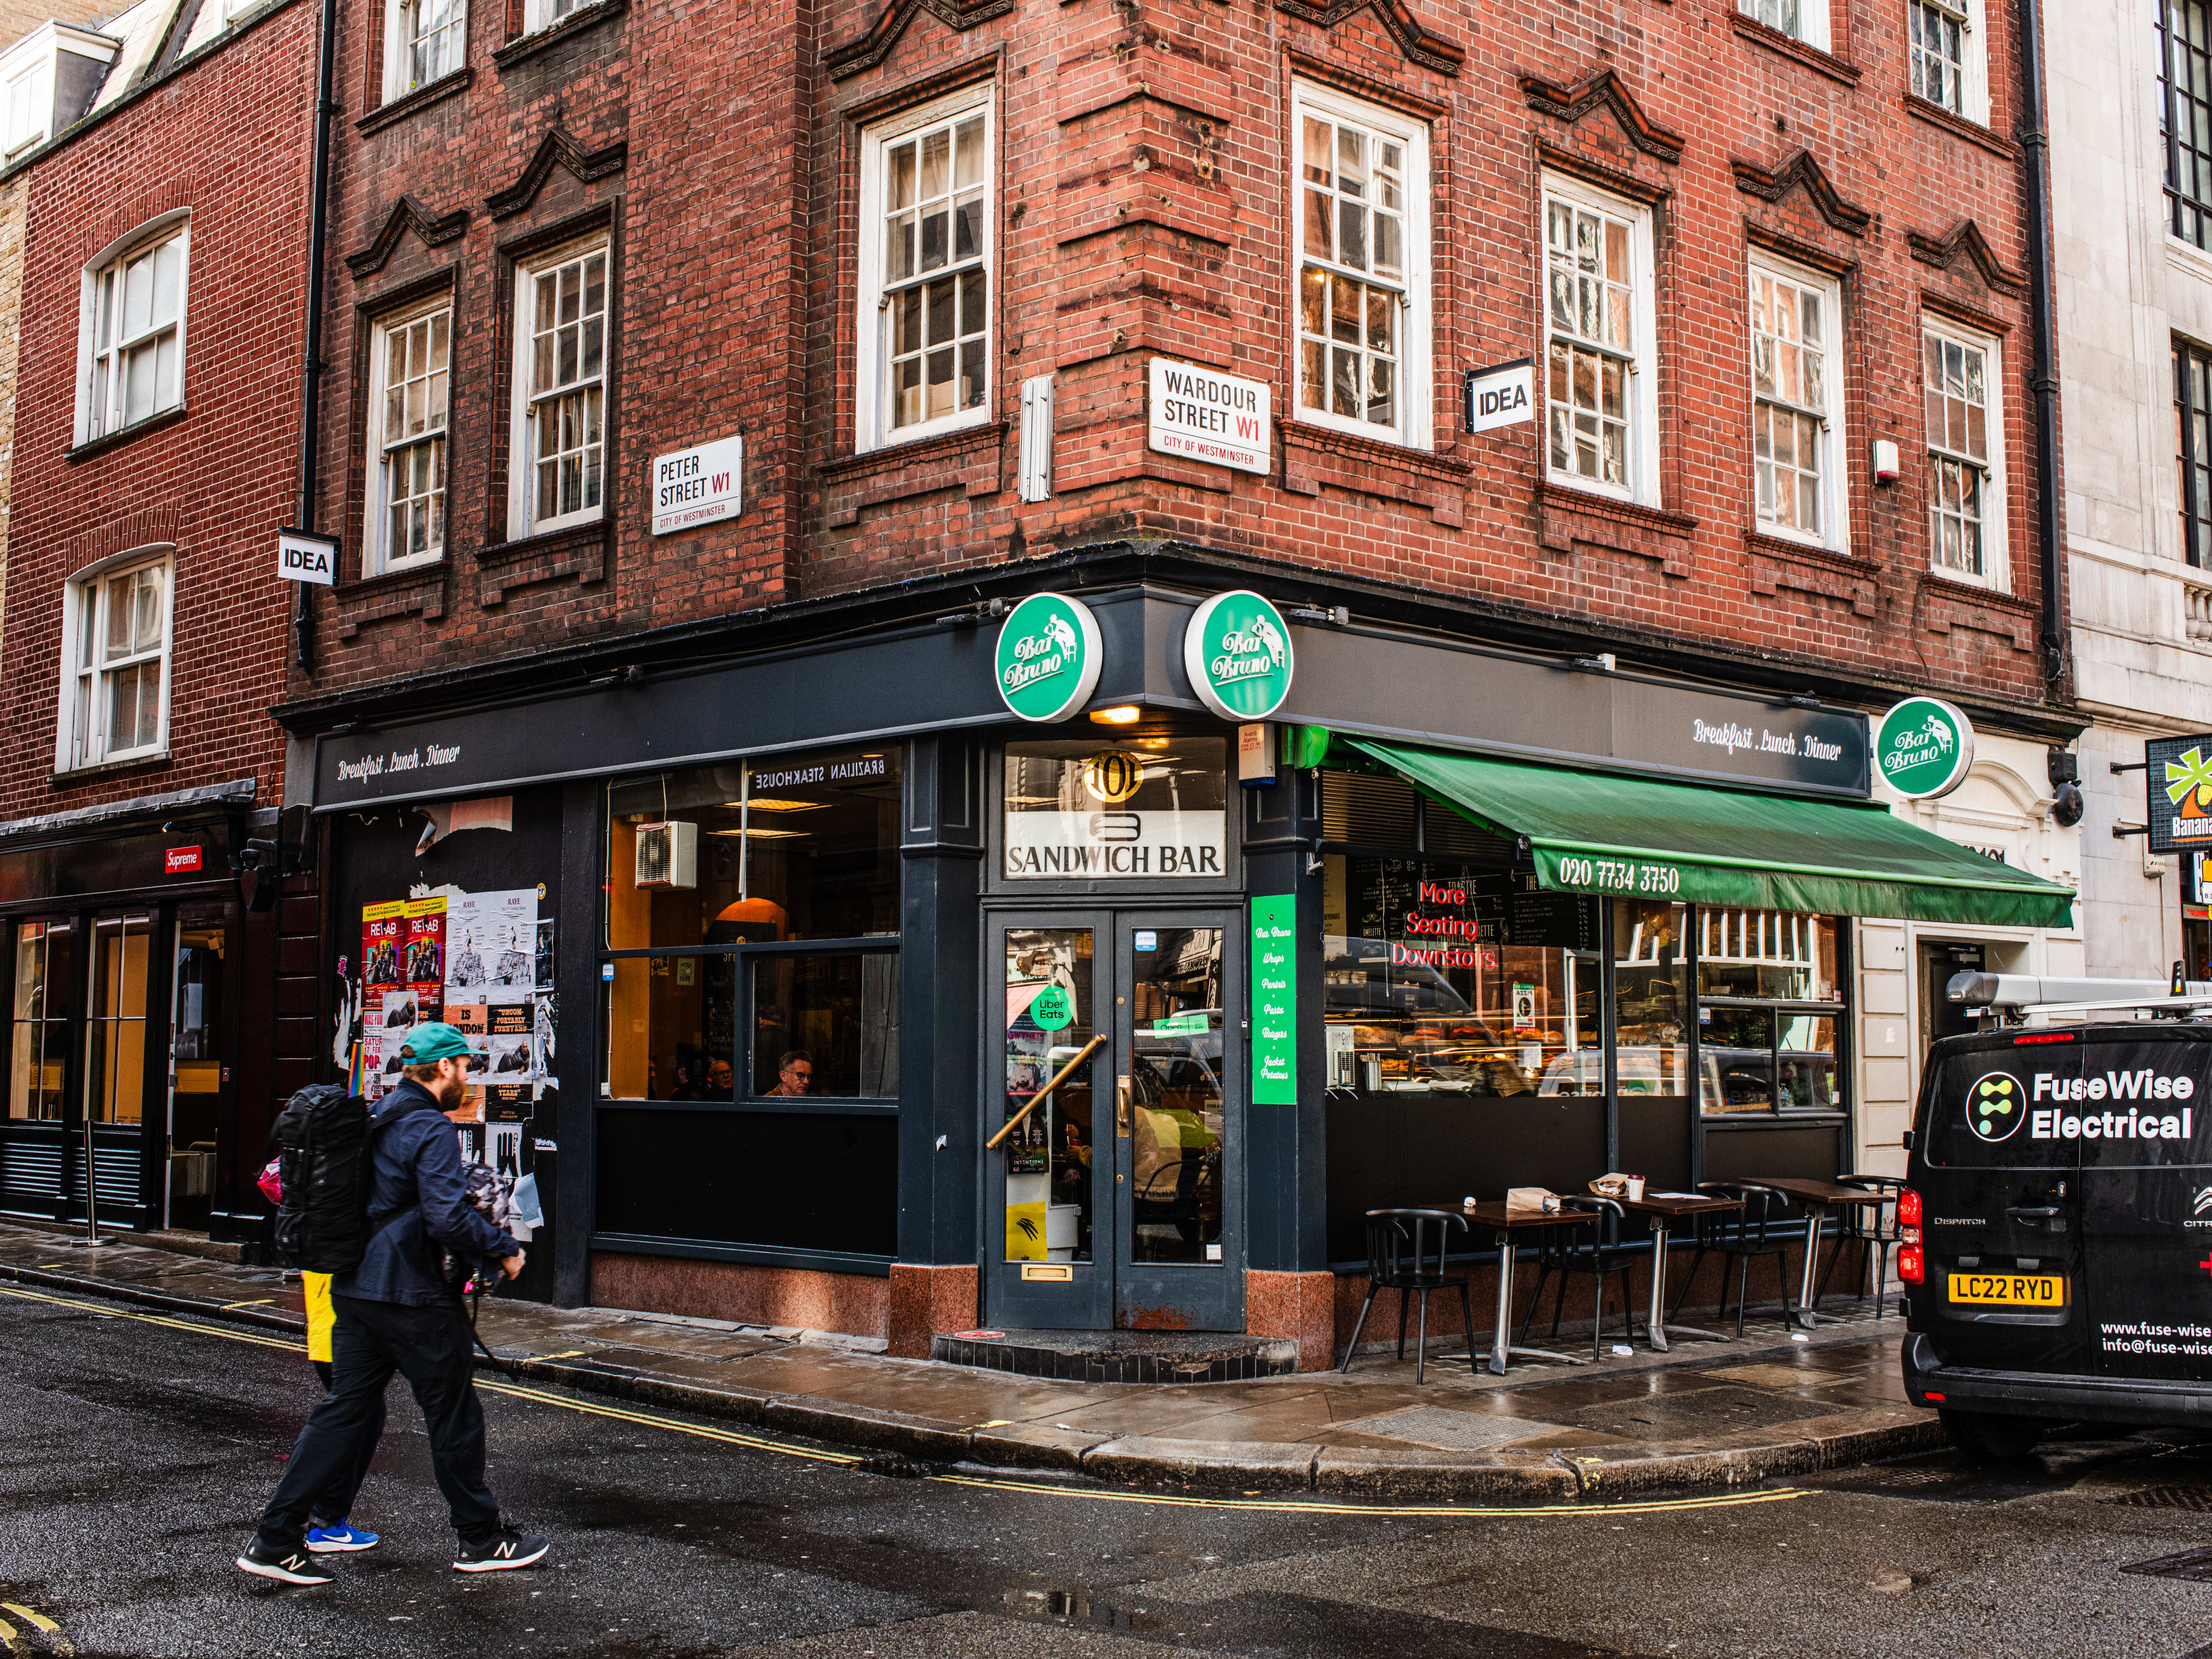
{"x":335,"y":1503}
{"x":428,"y":1346}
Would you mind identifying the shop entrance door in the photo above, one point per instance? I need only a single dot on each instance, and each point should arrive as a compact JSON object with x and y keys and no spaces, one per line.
{"x":199,"y":1064}
{"x":1114,"y":1192}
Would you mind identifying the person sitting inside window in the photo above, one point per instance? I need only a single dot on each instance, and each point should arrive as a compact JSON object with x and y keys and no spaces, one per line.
{"x":794,"y":1073}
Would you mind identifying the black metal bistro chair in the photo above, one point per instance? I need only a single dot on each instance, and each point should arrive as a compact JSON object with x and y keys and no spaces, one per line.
{"x":1875,"y":1228}
{"x":1406,"y":1254}
{"x":1739,"y":1235}
{"x":1566,"y":1253}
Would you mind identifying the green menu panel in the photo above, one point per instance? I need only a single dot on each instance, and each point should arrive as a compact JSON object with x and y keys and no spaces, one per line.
{"x":1274,"y":1001}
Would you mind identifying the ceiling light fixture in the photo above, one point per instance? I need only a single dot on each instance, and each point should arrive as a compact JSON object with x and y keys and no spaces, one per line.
{"x":1126,"y":714}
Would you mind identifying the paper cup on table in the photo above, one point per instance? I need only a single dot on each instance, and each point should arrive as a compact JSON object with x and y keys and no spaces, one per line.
{"x":1636,"y":1189}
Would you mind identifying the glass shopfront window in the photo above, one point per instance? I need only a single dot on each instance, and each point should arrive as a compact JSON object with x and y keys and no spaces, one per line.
{"x":1466,"y":1017}
{"x":1143,"y":808}
{"x":705,"y":862}
{"x":752,"y":974}
{"x":1768,"y":996}
{"x":1461,"y":1026}
{"x":38,"y":1044}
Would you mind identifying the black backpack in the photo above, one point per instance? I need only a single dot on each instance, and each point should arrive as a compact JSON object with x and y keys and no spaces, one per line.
{"x":324,"y":1142}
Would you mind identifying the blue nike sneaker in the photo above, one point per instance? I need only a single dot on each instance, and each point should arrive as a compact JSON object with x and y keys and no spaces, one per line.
{"x":339,"y":1539}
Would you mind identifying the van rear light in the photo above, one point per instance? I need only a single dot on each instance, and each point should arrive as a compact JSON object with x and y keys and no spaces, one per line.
{"x":1941,"y":1399}
{"x":1908,"y":1208}
{"x":1911,"y":1265}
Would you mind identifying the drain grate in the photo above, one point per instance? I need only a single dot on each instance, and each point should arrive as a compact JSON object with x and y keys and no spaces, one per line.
{"x":2196,"y":1565}
{"x":2164,"y":1497}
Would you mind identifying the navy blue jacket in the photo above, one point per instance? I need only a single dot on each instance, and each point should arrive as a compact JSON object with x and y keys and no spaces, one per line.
{"x":417,"y":1169}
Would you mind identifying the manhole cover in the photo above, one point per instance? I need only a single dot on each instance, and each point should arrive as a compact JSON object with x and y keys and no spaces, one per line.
{"x":1450,"y":1430}
{"x":2193,"y":1564}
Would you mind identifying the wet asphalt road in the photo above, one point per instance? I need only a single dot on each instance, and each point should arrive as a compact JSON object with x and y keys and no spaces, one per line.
{"x":134,"y":1456}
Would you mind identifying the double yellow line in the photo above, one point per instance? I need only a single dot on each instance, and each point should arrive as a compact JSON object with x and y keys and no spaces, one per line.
{"x":1033,"y":1488}
{"x":37,"y":1621}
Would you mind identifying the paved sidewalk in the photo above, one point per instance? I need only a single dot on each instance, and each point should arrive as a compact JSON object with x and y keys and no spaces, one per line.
{"x":1707,"y":1414}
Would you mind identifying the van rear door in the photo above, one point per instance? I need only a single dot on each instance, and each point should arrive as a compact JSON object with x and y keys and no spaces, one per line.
{"x":2146,"y":1156}
{"x":2001,"y":1204}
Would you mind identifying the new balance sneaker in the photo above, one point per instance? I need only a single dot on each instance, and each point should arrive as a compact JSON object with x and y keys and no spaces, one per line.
{"x":504,"y":1549}
{"x":285,"y":1566}
{"x":339,"y":1539}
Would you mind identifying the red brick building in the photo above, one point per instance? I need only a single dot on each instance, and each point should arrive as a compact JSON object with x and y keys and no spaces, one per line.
{"x":157,"y":397}
{"x":898,"y":312}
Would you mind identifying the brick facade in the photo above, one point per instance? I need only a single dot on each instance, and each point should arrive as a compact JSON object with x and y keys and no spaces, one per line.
{"x":1141,"y":208}
{"x":225,"y":137}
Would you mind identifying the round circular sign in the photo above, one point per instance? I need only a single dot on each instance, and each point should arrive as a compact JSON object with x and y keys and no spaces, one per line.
{"x":1236,"y":650}
{"x":1052,"y":1009}
{"x":1114,"y":777}
{"x":1993,"y":1106}
{"x":1922,"y":747}
{"x":1049,"y":657}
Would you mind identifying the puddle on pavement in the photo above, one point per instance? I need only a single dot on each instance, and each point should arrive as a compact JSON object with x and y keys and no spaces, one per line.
{"x":1078,"y":1606}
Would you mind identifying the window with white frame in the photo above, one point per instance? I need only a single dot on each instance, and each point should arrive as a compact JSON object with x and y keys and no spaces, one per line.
{"x":115,"y":673}
{"x":924,"y":335}
{"x":30,"y":101}
{"x":1800,"y":20}
{"x":1796,"y":412}
{"x":409,"y":370}
{"x":1601,"y":360}
{"x":558,"y":477}
{"x":543,"y":14}
{"x":1960,"y":376}
{"x":134,"y":333}
{"x":1943,"y":49}
{"x":425,"y":40}
{"x":1361,"y":174}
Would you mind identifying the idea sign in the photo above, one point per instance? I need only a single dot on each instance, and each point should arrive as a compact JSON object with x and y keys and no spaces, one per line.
{"x":698,"y":486}
{"x":1049,"y":657}
{"x":303,"y":557}
{"x":1236,"y":650}
{"x":1501,"y":395}
{"x":1923,"y":747}
{"x":1204,"y":416}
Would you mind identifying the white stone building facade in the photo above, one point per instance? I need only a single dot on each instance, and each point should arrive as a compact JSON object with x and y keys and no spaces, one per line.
{"x":2133,"y":261}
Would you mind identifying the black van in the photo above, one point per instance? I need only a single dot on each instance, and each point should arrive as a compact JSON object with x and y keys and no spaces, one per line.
{"x":2057,"y":1253}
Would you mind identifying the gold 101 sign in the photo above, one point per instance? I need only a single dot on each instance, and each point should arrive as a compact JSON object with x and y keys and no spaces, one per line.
{"x":1114,"y":777}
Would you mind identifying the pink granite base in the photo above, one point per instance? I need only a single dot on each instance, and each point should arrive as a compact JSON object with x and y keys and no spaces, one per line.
{"x":1296,"y":1306}
{"x":847,"y":1303}
{"x":926,"y":1300}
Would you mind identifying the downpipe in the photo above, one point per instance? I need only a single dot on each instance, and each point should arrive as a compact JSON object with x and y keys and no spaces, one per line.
{"x":311,"y":376}
{"x":2034,"y":138}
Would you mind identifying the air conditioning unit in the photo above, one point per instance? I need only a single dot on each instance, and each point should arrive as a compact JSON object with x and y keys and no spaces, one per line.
{"x":668,"y":855}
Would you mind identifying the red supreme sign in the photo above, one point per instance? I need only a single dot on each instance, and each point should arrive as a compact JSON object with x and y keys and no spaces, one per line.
{"x":177,"y":861}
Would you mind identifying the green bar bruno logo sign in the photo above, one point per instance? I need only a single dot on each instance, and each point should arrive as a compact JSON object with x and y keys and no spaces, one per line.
{"x":1923,"y":747}
{"x":1236,"y":651}
{"x":1049,"y":657}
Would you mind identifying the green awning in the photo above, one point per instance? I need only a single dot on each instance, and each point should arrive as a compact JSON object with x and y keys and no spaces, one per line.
{"x":1593,"y":832}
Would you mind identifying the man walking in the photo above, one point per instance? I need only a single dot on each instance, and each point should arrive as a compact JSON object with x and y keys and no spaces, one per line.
{"x":395,"y":1313}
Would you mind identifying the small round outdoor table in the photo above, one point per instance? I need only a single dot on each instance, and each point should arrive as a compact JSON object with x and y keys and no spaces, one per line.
{"x":1505,"y":1223}
{"x":1665,"y":1209}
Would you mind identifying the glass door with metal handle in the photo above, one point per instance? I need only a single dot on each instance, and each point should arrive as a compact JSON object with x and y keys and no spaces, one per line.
{"x":1045,"y":1187}
{"x":1180,"y":1073}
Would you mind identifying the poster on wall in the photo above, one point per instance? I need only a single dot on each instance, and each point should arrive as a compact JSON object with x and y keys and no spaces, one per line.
{"x":491,"y":939}
{"x":384,"y":991}
{"x":424,"y":956}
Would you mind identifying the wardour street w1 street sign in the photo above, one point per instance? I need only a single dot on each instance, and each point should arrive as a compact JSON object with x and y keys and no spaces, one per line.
{"x":1049,"y":657}
{"x":1923,"y":747}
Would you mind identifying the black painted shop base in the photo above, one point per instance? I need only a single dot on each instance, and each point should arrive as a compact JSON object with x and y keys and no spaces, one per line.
{"x":1121,"y":1356}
